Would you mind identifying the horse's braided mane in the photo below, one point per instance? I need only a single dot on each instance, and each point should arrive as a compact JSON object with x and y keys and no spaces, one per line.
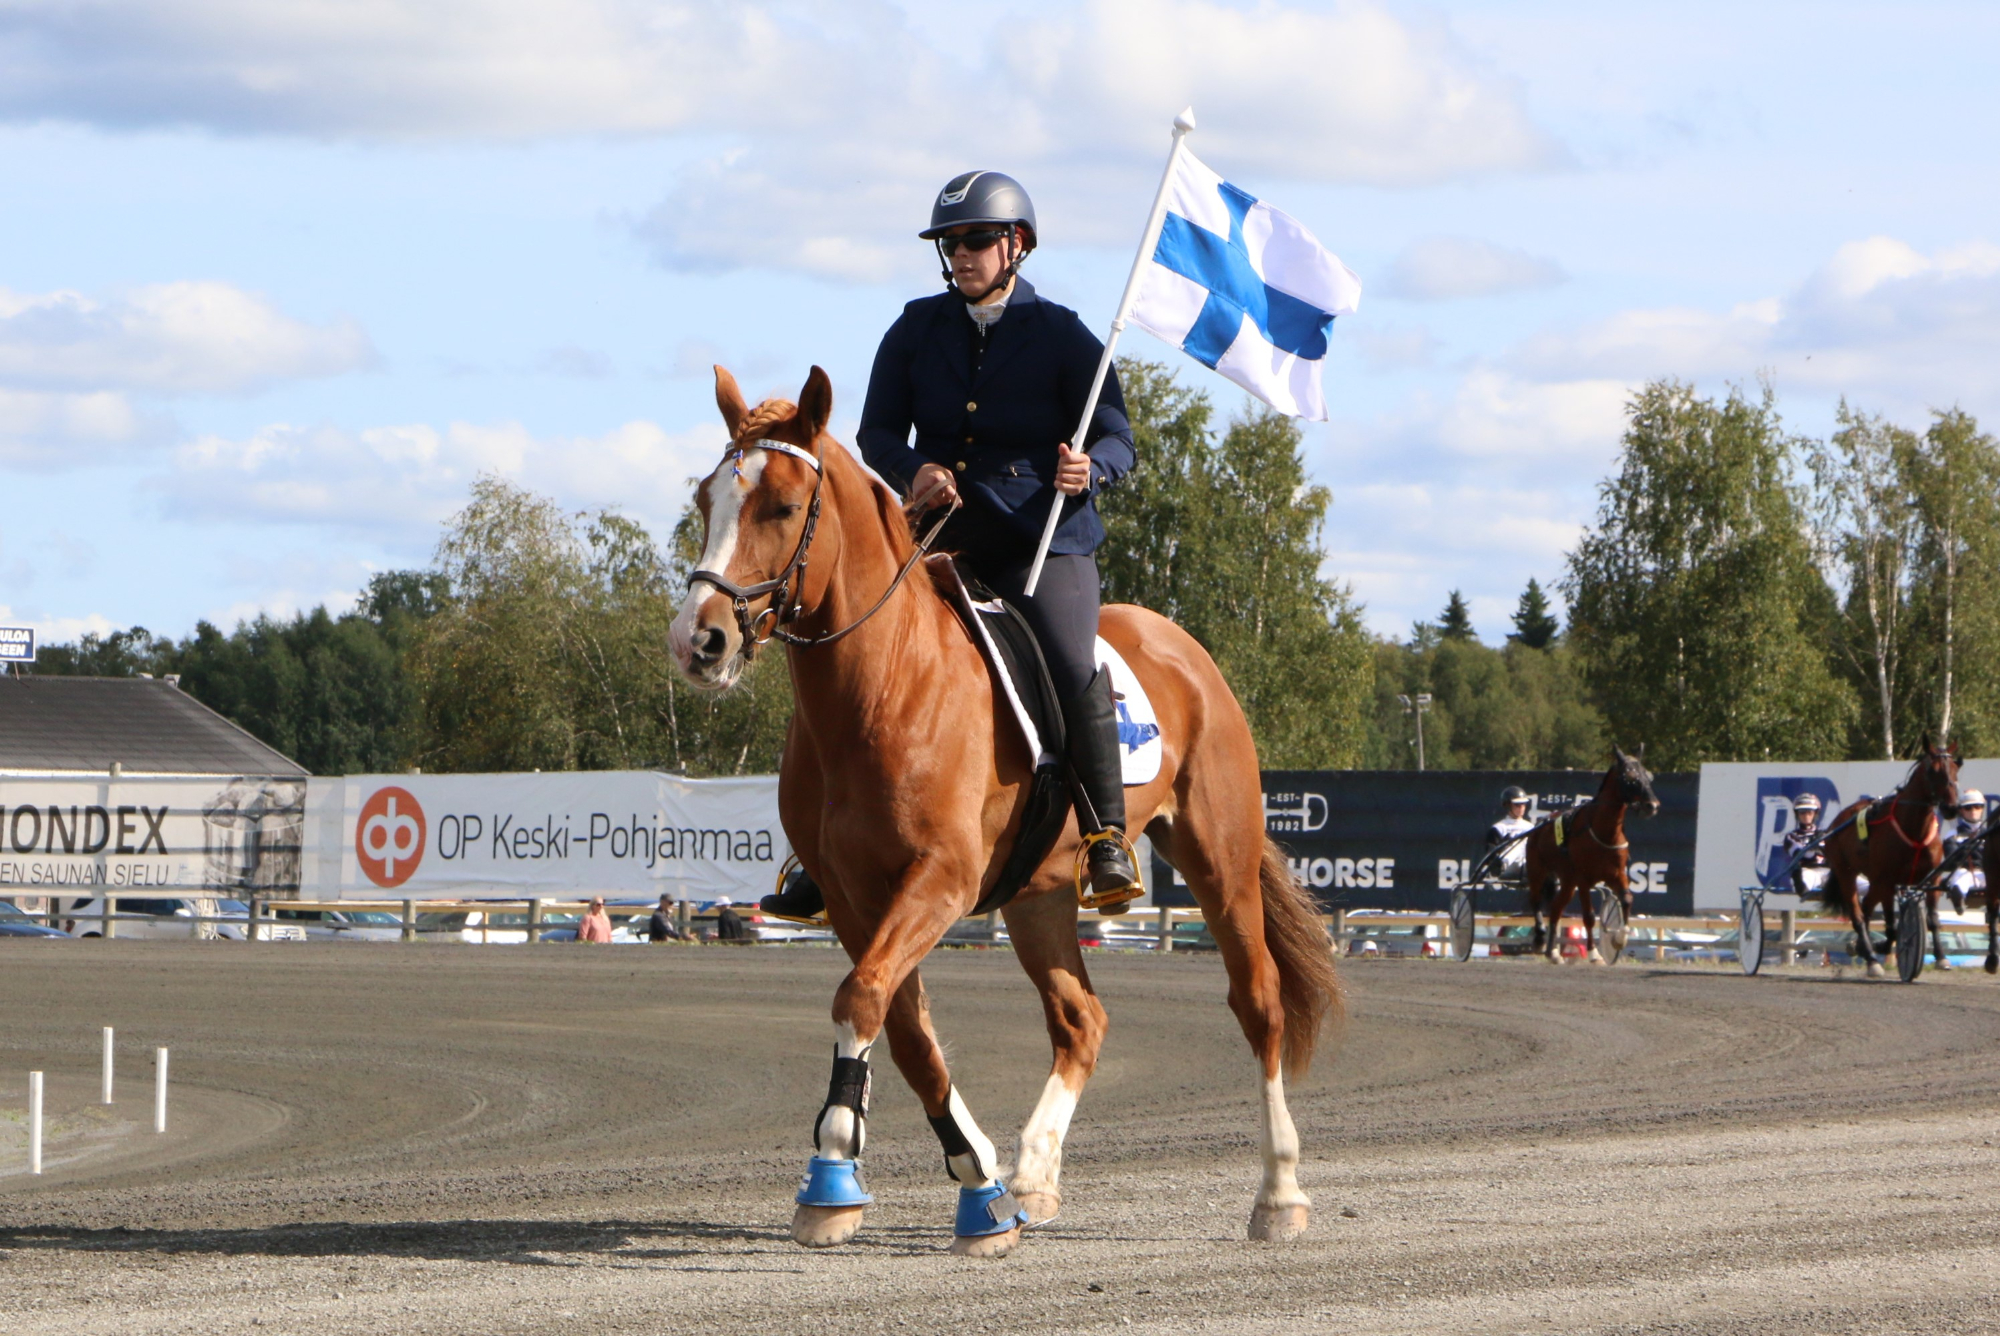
{"x":765,"y":416}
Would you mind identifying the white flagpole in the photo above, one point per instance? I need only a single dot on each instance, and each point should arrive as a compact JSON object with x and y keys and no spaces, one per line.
{"x":1183,"y":125}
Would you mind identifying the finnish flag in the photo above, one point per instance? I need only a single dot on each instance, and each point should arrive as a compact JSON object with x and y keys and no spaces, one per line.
{"x":1244,"y":289}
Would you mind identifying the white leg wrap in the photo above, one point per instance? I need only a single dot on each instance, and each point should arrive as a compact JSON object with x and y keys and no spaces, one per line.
{"x":841,"y":1132}
{"x":976,"y":1164}
{"x":1281,"y":1150}
{"x":1042,"y":1139}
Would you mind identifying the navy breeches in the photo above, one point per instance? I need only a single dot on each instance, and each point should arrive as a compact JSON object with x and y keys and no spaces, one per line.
{"x":1062,"y":614}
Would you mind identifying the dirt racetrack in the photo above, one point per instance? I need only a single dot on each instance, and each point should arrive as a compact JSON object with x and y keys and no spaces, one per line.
{"x":457,"y":1139}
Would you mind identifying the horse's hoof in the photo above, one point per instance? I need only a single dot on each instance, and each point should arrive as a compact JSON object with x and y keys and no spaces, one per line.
{"x":986,"y":1245}
{"x":1596,"y":956}
{"x":1941,"y":964}
{"x":825,"y":1226}
{"x":1279,"y":1224}
{"x":1041,"y":1207}
{"x":1993,"y":965}
{"x":1875,"y":970}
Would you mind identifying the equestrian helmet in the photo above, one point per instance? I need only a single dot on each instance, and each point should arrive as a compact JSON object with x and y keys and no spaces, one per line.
{"x":1514,"y":794}
{"x":981,"y":197}
{"x":1971,"y":798}
{"x":1805,"y":802}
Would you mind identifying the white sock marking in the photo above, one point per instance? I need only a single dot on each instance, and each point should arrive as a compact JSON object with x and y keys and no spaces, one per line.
{"x":1042,"y":1138}
{"x":977,"y":1169}
{"x":1281,"y":1150}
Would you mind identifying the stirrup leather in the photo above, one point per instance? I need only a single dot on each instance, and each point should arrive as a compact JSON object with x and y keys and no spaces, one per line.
{"x":818,"y":920}
{"x":1091,"y":899}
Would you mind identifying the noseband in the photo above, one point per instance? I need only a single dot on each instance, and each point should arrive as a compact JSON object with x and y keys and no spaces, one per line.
{"x":787,"y":599}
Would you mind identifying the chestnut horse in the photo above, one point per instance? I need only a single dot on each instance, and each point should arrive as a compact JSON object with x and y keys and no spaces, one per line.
{"x":1893,"y":844}
{"x":1585,"y":847}
{"x":902,"y":787}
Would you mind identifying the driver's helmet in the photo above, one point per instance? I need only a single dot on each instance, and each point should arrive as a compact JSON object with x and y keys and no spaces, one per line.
{"x":1513,"y":794}
{"x":1805,"y":805}
{"x":982,"y":197}
{"x":1971,"y":798}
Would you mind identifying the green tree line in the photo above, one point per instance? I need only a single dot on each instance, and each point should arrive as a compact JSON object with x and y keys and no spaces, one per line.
{"x":1743,"y":592}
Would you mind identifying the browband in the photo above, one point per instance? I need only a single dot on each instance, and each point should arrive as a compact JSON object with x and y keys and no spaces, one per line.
{"x":781,"y":448}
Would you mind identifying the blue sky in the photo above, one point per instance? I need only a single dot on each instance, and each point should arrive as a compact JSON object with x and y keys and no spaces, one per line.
{"x":278,"y":281}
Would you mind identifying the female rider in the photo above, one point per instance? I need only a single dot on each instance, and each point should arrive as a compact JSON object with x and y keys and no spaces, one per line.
{"x":993,"y":378}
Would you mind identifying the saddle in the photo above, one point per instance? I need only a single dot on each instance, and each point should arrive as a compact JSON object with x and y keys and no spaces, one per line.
{"x":1022,"y":678}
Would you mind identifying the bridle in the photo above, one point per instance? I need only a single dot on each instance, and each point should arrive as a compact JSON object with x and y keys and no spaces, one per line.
{"x":787,"y":599}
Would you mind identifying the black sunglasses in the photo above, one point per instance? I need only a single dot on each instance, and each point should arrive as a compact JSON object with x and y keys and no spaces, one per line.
{"x":973,"y":241}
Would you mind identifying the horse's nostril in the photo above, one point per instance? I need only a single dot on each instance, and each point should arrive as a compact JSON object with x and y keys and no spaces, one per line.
{"x":710,"y":643}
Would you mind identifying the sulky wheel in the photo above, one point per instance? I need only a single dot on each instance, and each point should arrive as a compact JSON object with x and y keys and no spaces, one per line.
{"x":1464,"y":916}
{"x":1612,"y":933}
{"x":1750,"y":935}
{"x":1909,"y":934}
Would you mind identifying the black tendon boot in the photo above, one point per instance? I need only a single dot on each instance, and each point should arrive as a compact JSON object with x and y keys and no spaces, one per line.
{"x":1098,"y":769}
{"x":798,"y":899}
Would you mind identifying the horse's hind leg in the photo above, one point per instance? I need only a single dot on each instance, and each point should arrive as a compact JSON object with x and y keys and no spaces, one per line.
{"x":1552,"y":949}
{"x":1043,"y":930}
{"x":1992,"y":942}
{"x":1589,"y":912}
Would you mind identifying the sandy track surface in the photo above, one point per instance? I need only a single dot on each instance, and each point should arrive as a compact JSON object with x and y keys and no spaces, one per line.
{"x":455,"y":1139}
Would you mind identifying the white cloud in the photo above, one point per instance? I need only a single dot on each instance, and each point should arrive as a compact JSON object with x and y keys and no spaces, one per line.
{"x":55,"y":431}
{"x":166,"y":338}
{"x":1492,"y":415}
{"x":1442,"y":268}
{"x":1879,"y":322}
{"x":59,"y":630}
{"x":406,"y":69}
{"x":402,"y":481}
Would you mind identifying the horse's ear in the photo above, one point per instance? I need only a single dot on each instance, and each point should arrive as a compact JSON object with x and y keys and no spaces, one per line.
{"x":1618,"y":753}
{"x":1924,"y":746}
{"x":815,"y":404}
{"x":1641,"y":753}
{"x":729,"y":399}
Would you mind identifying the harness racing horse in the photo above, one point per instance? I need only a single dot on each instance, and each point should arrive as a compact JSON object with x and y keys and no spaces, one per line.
{"x":1990,"y":864}
{"x":1894,"y":843}
{"x":1585,"y":847}
{"x":901,"y":790}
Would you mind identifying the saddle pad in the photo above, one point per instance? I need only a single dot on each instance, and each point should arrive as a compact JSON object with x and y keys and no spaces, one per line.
{"x":1010,"y":649}
{"x":1138,"y":728}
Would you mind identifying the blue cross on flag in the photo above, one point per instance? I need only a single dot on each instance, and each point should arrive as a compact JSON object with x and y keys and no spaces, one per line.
{"x":1244,"y":289}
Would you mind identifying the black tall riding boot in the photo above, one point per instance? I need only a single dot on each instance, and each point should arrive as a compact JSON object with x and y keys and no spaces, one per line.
{"x":1097,"y":764}
{"x":798,"y":899}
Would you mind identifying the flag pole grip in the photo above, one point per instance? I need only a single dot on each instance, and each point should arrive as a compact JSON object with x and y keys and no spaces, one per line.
{"x":1183,"y":125}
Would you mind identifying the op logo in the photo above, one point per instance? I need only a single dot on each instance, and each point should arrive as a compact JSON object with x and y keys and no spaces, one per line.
{"x":389,"y":836}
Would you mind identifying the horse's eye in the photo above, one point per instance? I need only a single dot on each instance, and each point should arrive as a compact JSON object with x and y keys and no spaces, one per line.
{"x":788,"y":510}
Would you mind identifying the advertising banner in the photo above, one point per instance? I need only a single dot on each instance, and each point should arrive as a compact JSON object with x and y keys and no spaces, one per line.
{"x":78,"y":836}
{"x":1403,"y":839}
{"x":1746,"y":812}
{"x":624,"y":833}
{"x":17,"y":644}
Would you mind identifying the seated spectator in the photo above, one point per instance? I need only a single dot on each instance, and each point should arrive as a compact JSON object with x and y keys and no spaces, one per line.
{"x":660,"y":927}
{"x":729,"y":926}
{"x":596,"y":924}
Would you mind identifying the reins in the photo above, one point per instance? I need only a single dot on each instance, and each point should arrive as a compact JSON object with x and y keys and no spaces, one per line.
{"x":786,"y":605}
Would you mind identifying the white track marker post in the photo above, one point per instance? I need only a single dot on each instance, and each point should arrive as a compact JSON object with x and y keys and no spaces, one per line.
{"x":34,"y":1122}
{"x":106,"y":1098}
{"x":159,"y":1090}
{"x":1183,"y":126}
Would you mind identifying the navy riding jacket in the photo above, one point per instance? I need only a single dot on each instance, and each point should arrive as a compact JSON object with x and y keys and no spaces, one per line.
{"x":992,"y":411}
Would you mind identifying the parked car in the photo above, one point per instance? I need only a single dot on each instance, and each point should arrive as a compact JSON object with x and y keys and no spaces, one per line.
{"x":174,"y":918}
{"x":17,"y":922}
{"x":340,"y":925}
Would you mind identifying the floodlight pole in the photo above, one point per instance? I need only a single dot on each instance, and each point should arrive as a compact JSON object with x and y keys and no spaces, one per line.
{"x":1417,"y":707}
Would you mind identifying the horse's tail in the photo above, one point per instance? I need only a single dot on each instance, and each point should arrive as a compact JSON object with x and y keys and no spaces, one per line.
{"x":1308,"y":985}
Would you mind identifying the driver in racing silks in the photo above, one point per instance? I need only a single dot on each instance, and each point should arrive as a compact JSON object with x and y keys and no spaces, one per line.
{"x":1513,"y":859}
{"x":1809,"y":869}
{"x":1969,"y":829}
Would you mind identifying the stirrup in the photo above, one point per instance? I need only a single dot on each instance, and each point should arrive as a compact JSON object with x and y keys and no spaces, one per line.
{"x":818,"y":920}
{"x":1092,"y":899}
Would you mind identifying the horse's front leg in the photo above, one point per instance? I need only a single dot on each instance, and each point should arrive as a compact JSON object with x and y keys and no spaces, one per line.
{"x":1857,"y":914}
{"x":989,"y":1220}
{"x":885,"y":952}
{"x":1043,"y":931}
{"x":1558,"y":904}
{"x":1588,"y":908}
{"x":1992,"y":942}
{"x":1937,"y":933}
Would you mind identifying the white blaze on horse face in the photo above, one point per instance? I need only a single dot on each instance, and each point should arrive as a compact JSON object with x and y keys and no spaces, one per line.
{"x":1042,"y":1138}
{"x":728,"y":488}
{"x":838,"y":1136}
{"x":1281,"y":1150}
{"x":977,"y":1169}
